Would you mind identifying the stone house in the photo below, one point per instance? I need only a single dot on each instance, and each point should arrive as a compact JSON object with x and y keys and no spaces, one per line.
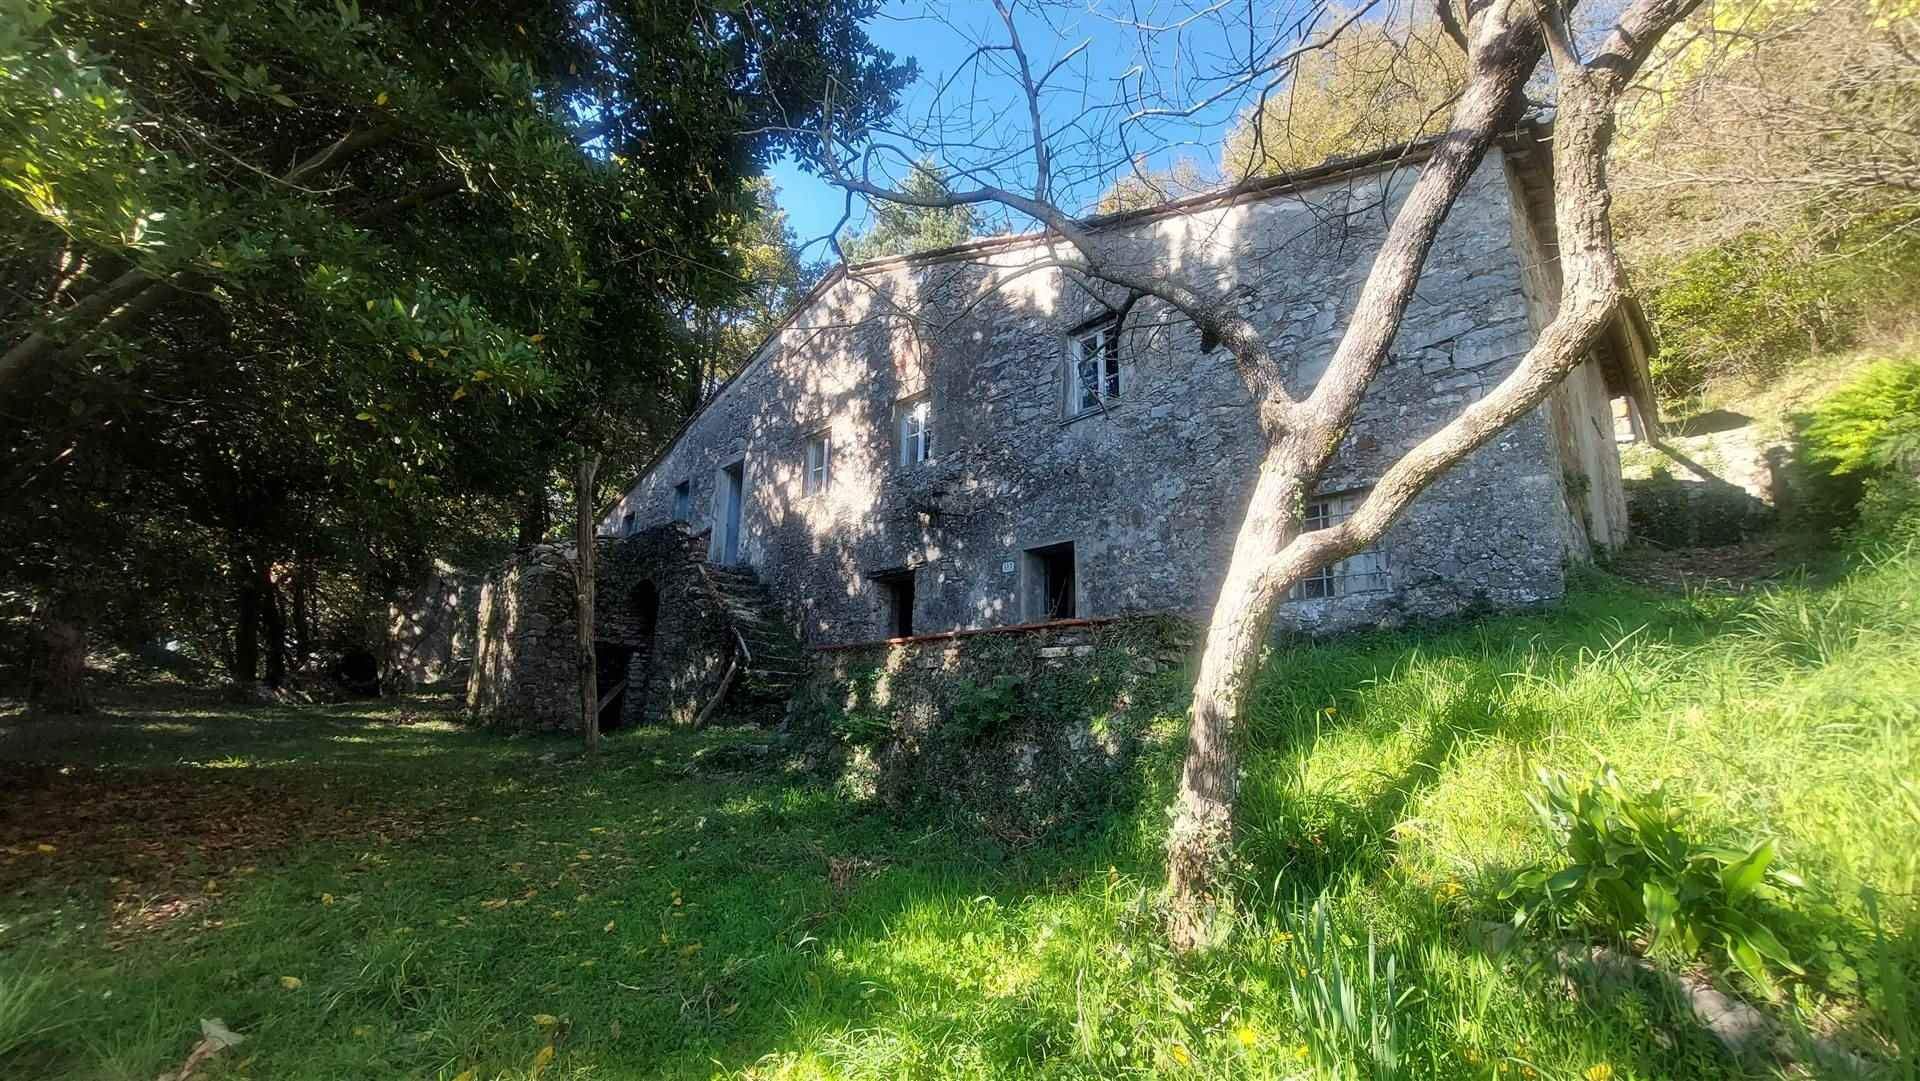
{"x":972,"y":438}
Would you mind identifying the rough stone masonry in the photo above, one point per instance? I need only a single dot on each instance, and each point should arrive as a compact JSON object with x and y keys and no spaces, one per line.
{"x":915,"y":450}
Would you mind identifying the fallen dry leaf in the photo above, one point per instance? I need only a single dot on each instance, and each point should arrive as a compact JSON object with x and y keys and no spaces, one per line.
{"x":215,"y":1037}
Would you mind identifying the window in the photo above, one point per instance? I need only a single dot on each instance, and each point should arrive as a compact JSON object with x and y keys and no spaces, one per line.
{"x":1093,"y":374}
{"x":1050,"y":585}
{"x":914,"y":423}
{"x":897,"y":589}
{"x":683,"y":501}
{"x":1364,"y":571}
{"x":819,"y":471}
{"x":626,"y":524}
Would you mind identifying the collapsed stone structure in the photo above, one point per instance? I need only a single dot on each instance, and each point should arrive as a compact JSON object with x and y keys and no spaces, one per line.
{"x":672,"y":634}
{"x":974,"y":438}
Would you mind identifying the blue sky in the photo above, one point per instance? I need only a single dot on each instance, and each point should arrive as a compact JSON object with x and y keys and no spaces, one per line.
{"x":1113,"y":50}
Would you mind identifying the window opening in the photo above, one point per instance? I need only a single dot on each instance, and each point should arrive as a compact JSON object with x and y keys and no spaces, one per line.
{"x":915,"y":427}
{"x":1051,"y":582}
{"x":819,"y":464}
{"x":1094,"y":377}
{"x":1364,"y":571}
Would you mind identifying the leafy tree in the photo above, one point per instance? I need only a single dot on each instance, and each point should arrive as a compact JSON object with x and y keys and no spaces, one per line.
{"x":905,"y":228}
{"x":349,"y":284}
{"x":1360,"y":87}
{"x":1142,"y":187}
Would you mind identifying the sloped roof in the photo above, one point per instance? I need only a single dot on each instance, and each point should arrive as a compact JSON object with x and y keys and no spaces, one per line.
{"x":1627,"y":343}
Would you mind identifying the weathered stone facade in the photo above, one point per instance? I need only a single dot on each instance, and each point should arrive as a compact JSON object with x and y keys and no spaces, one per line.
{"x":1149,"y":487}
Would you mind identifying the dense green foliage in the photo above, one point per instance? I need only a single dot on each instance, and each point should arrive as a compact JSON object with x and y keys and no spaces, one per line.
{"x":903,"y":229}
{"x":1746,"y":308}
{"x":1872,"y":424}
{"x":1629,"y":868}
{"x":644,"y":919}
{"x":1862,"y":449}
{"x":326,"y":290}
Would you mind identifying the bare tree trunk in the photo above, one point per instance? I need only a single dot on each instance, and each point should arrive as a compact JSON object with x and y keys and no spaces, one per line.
{"x":60,"y":684}
{"x":273,"y":623}
{"x":246,"y":629}
{"x":1269,"y":554}
{"x":1200,"y":839}
{"x":583,"y":586}
{"x":1504,"y":41}
{"x":1199,"y":842}
{"x":302,"y":614}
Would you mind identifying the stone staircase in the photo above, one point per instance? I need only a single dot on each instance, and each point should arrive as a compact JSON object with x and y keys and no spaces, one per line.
{"x":774,"y":661}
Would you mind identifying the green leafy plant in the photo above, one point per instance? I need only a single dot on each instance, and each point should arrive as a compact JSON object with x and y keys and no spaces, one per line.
{"x":1872,"y":424}
{"x":1348,"y":1007}
{"x":860,"y":720}
{"x":1860,"y":461}
{"x":1631,"y":869}
{"x":977,"y":709}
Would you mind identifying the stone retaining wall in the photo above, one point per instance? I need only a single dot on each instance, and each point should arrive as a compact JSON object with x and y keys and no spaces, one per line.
{"x":1022,"y":729}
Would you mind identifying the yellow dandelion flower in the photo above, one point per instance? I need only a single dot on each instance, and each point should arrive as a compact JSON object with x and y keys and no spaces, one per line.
{"x":1180,"y":1054}
{"x":1246,"y":1036}
{"x":1599,"y":1071}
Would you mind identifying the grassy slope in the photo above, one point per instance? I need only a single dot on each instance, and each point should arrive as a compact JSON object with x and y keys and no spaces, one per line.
{"x":685,"y":926}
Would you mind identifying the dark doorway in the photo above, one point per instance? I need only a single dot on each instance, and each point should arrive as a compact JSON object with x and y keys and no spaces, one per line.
{"x":646,"y":610}
{"x":624,"y":670}
{"x":1050,"y":585}
{"x":897,"y":588}
{"x":610,"y":665}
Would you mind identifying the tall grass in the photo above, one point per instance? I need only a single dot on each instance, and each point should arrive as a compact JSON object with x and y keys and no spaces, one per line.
{"x":1382,"y":811}
{"x":29,"y":1005}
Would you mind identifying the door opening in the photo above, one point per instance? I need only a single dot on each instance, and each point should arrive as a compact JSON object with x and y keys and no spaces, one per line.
{"x":730,"y":525}
{"x":897,"y":588}
{"x":611,"y":664}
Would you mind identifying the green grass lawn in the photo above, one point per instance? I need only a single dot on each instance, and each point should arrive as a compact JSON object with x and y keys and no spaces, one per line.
{"x":374,"y":891}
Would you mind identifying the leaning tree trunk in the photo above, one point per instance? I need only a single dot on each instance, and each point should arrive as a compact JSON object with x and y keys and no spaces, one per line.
{"x":60,"y":684}
{"x":583,"y":591}
{"x":1200,"y":840}
{"x":1506,"y":43}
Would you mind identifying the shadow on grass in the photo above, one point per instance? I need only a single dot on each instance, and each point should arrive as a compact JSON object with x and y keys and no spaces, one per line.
{"x":649,"y":920}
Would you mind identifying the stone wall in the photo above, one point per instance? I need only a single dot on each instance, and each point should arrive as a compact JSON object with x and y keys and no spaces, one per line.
{"x":1022,"y":730}
{"x":650,"y":612}
{"x":523,"y":663}
{"x":430,"y":631}
{"x":1150,"y":489}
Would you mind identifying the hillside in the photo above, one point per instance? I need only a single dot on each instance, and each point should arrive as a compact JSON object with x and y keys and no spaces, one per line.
{"x":378,"y":892}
